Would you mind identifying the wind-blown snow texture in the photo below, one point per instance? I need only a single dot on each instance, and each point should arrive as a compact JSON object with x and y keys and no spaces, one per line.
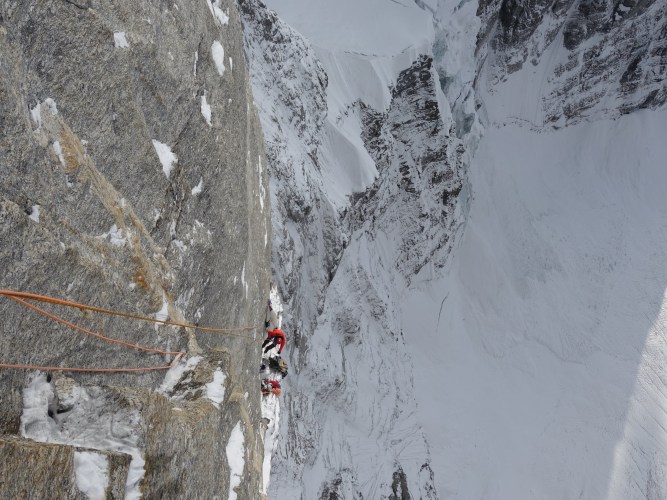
{"x":469,"y":234}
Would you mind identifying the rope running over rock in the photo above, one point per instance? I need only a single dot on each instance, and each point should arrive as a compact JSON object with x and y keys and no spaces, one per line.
{"x":19,"y":296}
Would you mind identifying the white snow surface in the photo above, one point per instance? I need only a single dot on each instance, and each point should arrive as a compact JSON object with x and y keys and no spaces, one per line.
{"x":197,"y":189}
{"x":119,"y":40}
{"x":205,"y":110}
{"x":34,"y":215}
{"x":368,"y":27}
{"x":220,"y":15}
{"x":551,"y":319}
{"x":36,"y":112}
{"x":167,"y":157}
{"x":58,"y":150}
{"x":176,"y":373}
{"x":87,"y":424}
{"x":218,"y":55}
{"x":92,"y":474}
{"x":163,"y":313}
{"x":116,"y":236}
{"x":270,"y":411}
{"x":235,"y":451}
{"x":352,"y":418}
{"x":215,"y":390}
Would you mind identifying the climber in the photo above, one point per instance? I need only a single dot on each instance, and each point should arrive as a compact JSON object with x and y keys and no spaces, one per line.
{"x":274,"y":338}
{"x":278,"y":364}
{"x":270,"y":387}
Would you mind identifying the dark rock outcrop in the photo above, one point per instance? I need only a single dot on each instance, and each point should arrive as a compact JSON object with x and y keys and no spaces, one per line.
{"x":616,"y":59}
{"x":420,"y":163}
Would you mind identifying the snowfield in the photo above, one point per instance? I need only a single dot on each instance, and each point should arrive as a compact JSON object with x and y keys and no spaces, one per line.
{"x":540,"y":353}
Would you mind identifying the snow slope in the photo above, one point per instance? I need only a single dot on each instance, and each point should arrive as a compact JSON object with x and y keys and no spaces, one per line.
{"x":551,"y":319}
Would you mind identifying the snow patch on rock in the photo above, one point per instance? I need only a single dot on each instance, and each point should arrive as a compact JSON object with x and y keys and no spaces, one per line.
{"x":220,"y":15}
{"x":235,"y":451}
{"x":167,"y":158}
{"x":215,"y":390}
{"x":34,"y":213}
{"x":85,"y":421}
{"x":205,"y":110}
{"x":197,"y":189}
{"x":92,"y":474}
{"x":218,"y":55}
{"x":119,"y":40}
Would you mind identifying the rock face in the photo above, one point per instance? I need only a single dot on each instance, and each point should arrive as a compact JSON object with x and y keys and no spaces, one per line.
{"x":613,"y":59}
{"x":420,"y":162}
{"x":132,"y":177}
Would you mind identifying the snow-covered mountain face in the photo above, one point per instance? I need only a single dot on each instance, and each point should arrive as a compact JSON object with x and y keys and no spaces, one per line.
{"x":593,"y":59}
{"x":467,"y":234}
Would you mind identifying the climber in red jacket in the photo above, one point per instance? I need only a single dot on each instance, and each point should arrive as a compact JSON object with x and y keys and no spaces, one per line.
{"x":270,"y":387}
{"x":274,"y":338}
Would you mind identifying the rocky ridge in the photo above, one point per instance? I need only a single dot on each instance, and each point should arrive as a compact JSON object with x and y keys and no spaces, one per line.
{"x":605,"y":58}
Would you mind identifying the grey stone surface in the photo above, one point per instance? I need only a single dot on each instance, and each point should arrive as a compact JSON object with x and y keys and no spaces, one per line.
{"x":87,"y":212}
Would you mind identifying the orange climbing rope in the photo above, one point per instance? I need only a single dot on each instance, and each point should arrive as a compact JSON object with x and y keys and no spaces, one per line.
{"x":67,"y":303}
{"x":88,"y":332}
{"x":19,"y":296}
